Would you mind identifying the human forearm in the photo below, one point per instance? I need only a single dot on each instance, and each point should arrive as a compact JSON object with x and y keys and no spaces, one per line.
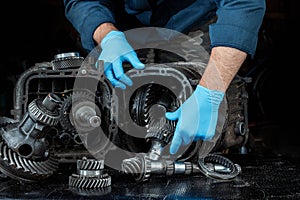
{"x":223,"y":65}
{"x":102,"y":30}
{"x":86,"y":16}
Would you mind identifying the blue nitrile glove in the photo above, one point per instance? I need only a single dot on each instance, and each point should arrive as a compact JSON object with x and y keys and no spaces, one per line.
{"x":116,"y":50}
{"x":197,"y":117}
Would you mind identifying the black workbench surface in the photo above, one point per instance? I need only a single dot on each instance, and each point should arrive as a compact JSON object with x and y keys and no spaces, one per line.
{"x":262,"y":177}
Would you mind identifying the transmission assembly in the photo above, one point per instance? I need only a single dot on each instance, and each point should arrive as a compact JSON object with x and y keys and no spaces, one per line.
{"x":65,"y":111}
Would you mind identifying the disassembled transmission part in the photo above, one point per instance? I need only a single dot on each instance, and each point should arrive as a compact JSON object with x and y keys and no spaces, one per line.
{"x":27,"y":138}
{"x":24,"y":154}
{"x":218,"y":167}
{"x":43,"y":134}
{"x":141,"y":167}
{"x":90,"y":175}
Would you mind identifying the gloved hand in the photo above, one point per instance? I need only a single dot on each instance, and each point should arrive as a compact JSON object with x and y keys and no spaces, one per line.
{"x":116,"y":50}
{"x":197,"y":117}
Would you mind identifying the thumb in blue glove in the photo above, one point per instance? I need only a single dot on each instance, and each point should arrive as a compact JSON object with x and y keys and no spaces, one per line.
{"x":116,"y":50}
{"x":197,"y":117}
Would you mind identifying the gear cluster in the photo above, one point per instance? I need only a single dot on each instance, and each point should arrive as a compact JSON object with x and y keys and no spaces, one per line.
{"x":55,"y":122}
{"x":90,"y":175}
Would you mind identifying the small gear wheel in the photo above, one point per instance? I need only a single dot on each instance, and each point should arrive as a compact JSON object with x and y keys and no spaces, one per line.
{"x":66,"y":107}
{"x":162,"y":130}
{"x":89,"y":175}
{"x":87,"y":182}
{"x":5,"y":121}
{"x":139,"y":167}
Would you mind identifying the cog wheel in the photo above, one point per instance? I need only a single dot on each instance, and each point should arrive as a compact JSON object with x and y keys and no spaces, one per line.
{"x":66,"y":106}
{"x":41,"y":114}
{"x":142,"y":101}
{"x":78,"y":181}
{"x":4,"y":121}
{"x":90,"y":175}
{"x":139,"y":167}
{"x":90,"y":164}
{"x":24,"y":169}
{"x":162,"y":130}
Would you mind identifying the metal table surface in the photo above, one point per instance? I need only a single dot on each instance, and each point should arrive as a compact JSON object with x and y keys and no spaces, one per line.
{"x":262,"y":177}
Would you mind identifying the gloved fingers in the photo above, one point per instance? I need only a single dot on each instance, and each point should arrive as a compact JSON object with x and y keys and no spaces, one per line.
{"x":110,"y":76}
{"x":119,"y":73}
{"x":134,"y":61}
{"x":176,"y":143}
{"x":173,"y":115}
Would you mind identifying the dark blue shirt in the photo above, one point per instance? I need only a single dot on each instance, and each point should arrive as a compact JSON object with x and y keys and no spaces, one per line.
{"x":237,"y":25}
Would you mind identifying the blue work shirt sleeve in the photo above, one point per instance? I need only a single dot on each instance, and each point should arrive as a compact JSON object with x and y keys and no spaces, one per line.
{"x":238,"y":24}
{"x":86,"y":16}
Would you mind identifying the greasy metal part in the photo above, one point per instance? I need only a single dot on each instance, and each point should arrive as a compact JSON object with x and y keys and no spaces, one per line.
{"x":84,"y":114}
{"x":90,"y":175}
{"x":66,"y":60}
{"x":236,"y":131}
{"x":159,"y":136}
{"x":218,"y":167}
{"x":141,"y":167}
{"x":27,"y":138}
{"x":88,"y":192}
{"x":5,"y":121}
{"x":90,"y":111}
{"x":74,"y":97}
{"x":24,"y":169}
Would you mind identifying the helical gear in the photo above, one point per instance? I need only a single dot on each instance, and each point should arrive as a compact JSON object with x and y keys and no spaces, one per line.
{"x":142,"y":102}
{"x":139,"y":167}
{"x":162,"y":130}
{"x":24,"y":169}
{"x":89,"y":175}
{"x":90,"y":164}
{"x":78,"y":181}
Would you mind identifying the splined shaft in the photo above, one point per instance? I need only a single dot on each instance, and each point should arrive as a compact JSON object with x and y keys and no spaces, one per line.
{"x":141,"y":167}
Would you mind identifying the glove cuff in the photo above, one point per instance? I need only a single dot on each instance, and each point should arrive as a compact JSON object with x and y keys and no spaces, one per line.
{"x":112,"y":35}
{"x":215,"y":96}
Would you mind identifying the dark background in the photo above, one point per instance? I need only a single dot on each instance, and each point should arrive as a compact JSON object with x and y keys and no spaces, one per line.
{"x":34,"y":31}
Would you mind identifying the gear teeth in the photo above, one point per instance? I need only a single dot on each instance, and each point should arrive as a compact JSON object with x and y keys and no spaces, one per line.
{"x":4,"y":121}
{"x":78,"y":181}
{"x":49,"y":118}
{"x":162,"y":130}
{"x":90,"y":175}
{"x":90,"y":164}
{"x":66,"y":106}
{"x":138,"y":167}
{"x":142,"y":102}
{"x":91,"y":192}
{"x":22,"y":167}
